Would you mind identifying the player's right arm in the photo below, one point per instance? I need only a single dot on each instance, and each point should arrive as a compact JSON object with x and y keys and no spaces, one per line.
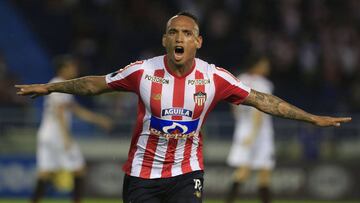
{"x":89,"y":85}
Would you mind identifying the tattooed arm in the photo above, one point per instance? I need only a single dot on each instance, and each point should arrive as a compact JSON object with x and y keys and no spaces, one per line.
{"x":275,"y":106}
{"x":90,"y":85}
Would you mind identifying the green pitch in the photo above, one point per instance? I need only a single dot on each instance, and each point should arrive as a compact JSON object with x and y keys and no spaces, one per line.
{"x":207,"y":201}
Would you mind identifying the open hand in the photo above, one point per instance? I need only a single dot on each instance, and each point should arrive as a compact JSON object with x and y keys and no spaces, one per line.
{"x":325,"y":121}
{"x":32,"y":90}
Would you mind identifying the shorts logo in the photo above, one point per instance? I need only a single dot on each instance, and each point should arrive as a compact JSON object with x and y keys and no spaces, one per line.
{"x":199,"y":82}
{"x":176,"y":112}
{"x":200,"y":98}
{"x":173,"y":129}
{"x":156,"y":79}
{"x":197,"y":187}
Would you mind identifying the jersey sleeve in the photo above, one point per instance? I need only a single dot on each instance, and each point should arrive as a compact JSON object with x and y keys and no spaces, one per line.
{"x":230,"y":88}
{"x":126,"y":79}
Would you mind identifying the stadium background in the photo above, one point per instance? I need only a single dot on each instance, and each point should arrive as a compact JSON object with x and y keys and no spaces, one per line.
{"x":314,"y":47}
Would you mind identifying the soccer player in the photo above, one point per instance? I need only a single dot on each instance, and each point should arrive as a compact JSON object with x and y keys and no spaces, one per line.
{"x":176,"y":92}
{"x":56,"y":149}
{"x":253,"y":145}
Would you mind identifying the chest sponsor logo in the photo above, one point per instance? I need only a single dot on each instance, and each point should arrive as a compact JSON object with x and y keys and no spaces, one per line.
{"x":171,"y":129}
{"x":198,"y":82}
{"x":200,"y":98}
{"x":176,"y":112}
{"x":156,"y":79}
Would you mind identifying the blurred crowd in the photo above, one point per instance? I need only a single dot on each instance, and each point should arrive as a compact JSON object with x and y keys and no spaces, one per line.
{"x":314,"y":45}
{"x":8,"y":98}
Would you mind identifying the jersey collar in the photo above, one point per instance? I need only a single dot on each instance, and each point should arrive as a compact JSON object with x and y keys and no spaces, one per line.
{"x":173,"y":74}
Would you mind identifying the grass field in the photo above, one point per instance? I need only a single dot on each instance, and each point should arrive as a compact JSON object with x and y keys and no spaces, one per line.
{"x":207,"y":201}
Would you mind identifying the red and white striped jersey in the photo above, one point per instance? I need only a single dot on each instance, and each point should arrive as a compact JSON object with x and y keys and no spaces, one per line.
{"x":171,"y":110}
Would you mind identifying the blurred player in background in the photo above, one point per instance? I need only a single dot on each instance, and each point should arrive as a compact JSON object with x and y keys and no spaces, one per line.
{"x":56,"y":149}
{"x":253,"y":145}
{"x":176,"y":92}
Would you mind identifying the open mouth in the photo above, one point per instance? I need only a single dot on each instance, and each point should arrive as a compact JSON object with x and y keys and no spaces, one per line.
{"x":179,"y":51}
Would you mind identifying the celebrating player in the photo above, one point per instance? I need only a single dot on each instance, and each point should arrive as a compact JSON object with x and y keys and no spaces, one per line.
{"x":253,"y":145}
{"x":176,"y":92}
{"x":56,"y":149}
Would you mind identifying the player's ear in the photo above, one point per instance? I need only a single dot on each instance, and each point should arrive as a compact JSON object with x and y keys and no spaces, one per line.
{"x":164,"y":40}
{"x":198,"y":42}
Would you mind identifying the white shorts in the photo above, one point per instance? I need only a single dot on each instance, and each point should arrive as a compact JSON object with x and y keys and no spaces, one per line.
{"x":52,"y":156}
{"x":260,"y":155}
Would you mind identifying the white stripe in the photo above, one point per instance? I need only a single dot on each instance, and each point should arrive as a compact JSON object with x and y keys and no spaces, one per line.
{"x":194,"y":162}
{"x":190,"y":105}
{"x":166,"y":102}
{"x":179,"y":156}
{"x":145,"y":95}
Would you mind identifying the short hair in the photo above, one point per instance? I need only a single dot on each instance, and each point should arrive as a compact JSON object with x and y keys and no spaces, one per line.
{"x":190,"y":15}
{"x":61,"y":60}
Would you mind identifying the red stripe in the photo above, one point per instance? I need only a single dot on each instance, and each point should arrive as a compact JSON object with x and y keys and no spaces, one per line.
{"x":139,"y":123}
{"x":138,"y":128}
{"x":155,"y":105}
{"x":229,"y":92}
{"x":185,"y":165}
{"x":178,"y":101}
{"x":130,"y":83}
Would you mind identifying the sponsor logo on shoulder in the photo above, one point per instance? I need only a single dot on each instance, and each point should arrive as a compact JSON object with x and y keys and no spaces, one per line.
{"x":199,"y":82}
{"x":176,"y":112}
{"x":156,"y":79}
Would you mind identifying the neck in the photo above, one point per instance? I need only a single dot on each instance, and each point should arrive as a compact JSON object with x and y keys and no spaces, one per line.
{"x":180,"y":70}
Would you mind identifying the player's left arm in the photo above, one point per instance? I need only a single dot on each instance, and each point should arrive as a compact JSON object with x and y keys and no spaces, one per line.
{"x":275,"y":106}
{"x":89,"y":85}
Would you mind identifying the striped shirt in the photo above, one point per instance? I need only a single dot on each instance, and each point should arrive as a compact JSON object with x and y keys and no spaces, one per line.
{"x":171,"y":110}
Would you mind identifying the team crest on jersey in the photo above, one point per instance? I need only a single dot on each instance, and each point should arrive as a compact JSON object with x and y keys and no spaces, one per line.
{"x":173,"y":129}
{"x":200,"y":98}
{"x":176,"y":112}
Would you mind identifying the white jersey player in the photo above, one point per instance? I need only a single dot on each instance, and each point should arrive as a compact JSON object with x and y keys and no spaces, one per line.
{"x":253,"y":145}
{"x":56,"y":149}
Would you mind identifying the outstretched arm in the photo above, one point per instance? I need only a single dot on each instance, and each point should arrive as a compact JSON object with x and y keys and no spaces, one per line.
{"x":275,"y":106}
{"x":89,"y":85}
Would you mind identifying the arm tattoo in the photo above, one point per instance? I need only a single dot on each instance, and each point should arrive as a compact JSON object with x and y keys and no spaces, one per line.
{"x":79,"y":86}
{"x":275,"y":106}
